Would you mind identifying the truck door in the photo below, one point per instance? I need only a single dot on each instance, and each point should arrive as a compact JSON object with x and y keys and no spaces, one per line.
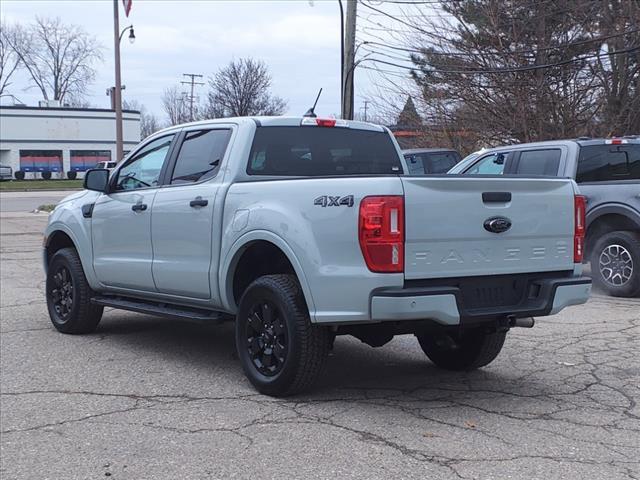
{"x":184,"y":215}
{"x":121,"y":220}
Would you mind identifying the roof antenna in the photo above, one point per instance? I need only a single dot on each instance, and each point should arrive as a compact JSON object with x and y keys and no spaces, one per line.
{"x":311,"y":112}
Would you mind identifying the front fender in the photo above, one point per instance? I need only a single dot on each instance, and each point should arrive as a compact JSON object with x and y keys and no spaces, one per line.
{"x":233,"y":255}
{"x":68,"y":218}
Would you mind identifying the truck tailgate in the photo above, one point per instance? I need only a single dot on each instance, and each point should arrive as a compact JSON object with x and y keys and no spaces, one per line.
{"x":445,"y":230}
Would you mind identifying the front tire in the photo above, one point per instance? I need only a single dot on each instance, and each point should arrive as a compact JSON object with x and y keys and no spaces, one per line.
{"x":463,"y":351}
{"x":615,"y":264}
{"x":69,"y":295}
{"x":281,"y":352}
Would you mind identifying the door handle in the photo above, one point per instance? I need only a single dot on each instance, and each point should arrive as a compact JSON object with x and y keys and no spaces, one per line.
{"x":199,"y":202}
{"x":139,"y":207}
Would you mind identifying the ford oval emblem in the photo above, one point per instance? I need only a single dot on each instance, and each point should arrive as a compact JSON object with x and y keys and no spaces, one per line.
{"x":497,"y":224}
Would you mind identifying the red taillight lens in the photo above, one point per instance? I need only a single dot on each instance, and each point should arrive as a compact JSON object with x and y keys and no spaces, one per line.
{"x":381,"y":233}
{"x":580,"y":206}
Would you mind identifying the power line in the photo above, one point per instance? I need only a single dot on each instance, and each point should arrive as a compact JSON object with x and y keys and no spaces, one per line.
{"x":508,"y":70}
{"x":514,"y":52}
{"x":191,"y":97}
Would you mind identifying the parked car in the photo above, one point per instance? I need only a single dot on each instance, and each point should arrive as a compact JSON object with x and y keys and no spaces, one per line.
{"x":300,"y":229}
{"x":424,"y":161}
{"x":6,"y":173}
{"x":109,"y":165}
{"x":608,"y":174}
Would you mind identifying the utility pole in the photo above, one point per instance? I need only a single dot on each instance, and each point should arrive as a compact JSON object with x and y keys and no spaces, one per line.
{"x":193,"y":83}
{"x":349,"y":60}
{"x":117,"y":92}
{"x":366,"y":104}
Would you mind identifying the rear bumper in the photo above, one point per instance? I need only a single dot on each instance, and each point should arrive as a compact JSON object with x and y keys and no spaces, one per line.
{"x":446,"y":305}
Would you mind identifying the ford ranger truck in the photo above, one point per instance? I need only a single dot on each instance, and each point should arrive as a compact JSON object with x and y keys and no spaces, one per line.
{"x":301,"y":229}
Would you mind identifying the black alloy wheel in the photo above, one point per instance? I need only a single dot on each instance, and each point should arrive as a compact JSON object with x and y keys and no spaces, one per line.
{"x":61,"y":293}
{"x":266,"y":335}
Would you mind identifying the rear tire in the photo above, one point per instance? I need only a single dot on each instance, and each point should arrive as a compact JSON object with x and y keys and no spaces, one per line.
{"x":69,"y":295}
{"x":615,"y":263}
{"x":465,"y":351}
{"x":281,"y":352}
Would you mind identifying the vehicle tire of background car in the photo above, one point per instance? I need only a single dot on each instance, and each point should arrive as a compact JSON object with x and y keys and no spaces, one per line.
{"x":623,"y":249}
{"x":66,"y":279}
{"x":466,"y":351}
{"x":281,"y":352}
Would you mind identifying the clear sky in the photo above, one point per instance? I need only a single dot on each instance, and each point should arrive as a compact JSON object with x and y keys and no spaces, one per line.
{"x":298,"y":39}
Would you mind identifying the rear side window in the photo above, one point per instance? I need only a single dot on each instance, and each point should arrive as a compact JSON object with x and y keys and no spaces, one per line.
{"x":539,"y":162}
{"x":602,"y":163}
{"x":492,"y":164}
{"x":200,"y":155}
{"x":319,"y":151}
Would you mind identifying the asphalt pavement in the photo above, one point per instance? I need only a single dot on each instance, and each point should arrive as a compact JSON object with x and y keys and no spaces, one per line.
{"x":147,"y":398}
{"x":29,"y":201}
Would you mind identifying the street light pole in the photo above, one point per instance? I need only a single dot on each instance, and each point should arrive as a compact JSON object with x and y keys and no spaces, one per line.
{"x":117,"y":93}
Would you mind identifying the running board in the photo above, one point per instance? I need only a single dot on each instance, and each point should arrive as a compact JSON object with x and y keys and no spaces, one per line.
{"x":161,"y":309}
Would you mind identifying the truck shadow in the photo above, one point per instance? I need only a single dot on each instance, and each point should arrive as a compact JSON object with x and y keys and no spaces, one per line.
{"x":353,"y":371}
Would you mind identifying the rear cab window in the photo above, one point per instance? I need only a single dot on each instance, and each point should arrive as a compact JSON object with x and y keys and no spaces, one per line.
{"x":321,"y":151}
{"x":606,"y":163}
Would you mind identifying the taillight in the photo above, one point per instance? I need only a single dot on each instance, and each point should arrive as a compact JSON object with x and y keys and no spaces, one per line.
{"x":381,"y":233}
{"x":323,"y":122}
{"x":579,"y":228}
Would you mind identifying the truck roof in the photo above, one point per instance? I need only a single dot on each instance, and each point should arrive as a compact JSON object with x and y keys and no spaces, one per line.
{"x":273,"y":121}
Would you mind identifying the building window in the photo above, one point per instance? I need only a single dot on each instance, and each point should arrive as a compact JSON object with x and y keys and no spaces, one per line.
{"x":83,"y":160}
{"x":41,"y":160}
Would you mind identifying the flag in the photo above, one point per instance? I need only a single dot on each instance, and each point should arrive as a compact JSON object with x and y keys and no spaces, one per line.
{"x":127,"y":6}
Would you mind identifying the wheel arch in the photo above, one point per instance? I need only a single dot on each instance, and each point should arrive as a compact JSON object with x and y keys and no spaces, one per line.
{"x":278,"y":251}
{"x":610,"y":218}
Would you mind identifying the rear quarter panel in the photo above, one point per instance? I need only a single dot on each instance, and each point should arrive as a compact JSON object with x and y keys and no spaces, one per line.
{"x":320,"y":241}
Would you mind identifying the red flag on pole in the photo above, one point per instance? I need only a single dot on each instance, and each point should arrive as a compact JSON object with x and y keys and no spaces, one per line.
{"x":127,"y":6}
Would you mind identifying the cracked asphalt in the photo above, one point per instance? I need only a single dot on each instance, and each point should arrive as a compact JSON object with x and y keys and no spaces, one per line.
{"x":146,"y":398}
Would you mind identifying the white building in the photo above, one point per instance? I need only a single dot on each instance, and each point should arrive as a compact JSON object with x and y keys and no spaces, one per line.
{"x":61,"y":140}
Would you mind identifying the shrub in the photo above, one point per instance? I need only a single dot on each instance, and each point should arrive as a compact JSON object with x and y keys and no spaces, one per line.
{"x":46,"y":175}
{"x":19,"y":174}
{"x":72,"y":175}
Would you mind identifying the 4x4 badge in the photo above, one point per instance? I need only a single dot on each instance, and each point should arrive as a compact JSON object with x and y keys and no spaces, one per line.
{"x":331,"y":201}
{"x":497,"y":224}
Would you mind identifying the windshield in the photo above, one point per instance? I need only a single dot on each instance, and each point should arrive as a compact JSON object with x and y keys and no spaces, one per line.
{"x":319,"y":151}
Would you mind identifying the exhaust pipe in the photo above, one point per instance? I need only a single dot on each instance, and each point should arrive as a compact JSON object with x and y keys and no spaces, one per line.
{"x":527,"y":322}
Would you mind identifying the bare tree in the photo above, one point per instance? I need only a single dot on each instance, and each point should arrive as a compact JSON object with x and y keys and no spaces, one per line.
{"x":149,"y":123}
{"x":9,"y":59}
{"x":242,"y":88}
{"x":58,"y":57}
{"x":175,"y":106}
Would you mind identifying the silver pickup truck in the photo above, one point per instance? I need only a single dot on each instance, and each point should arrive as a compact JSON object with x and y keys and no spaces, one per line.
{"x":301,"y":229}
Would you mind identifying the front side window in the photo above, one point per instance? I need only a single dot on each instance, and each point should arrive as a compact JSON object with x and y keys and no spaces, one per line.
{"x":200,"y":155}
{"x":539,"y":162}
{"x":492,"y":164}
{"x":143,"y":170}
{"x":602,"y":163}
{"x":318,"y":151}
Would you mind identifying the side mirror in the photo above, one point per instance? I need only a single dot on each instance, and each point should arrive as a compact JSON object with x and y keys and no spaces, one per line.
{"x":97,"y":179}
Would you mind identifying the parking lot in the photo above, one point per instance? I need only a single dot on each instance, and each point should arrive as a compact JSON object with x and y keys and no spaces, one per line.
{"x":146,"y":397}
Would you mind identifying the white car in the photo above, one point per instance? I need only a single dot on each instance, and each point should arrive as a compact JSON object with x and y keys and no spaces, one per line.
{"x":110,"y":165}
